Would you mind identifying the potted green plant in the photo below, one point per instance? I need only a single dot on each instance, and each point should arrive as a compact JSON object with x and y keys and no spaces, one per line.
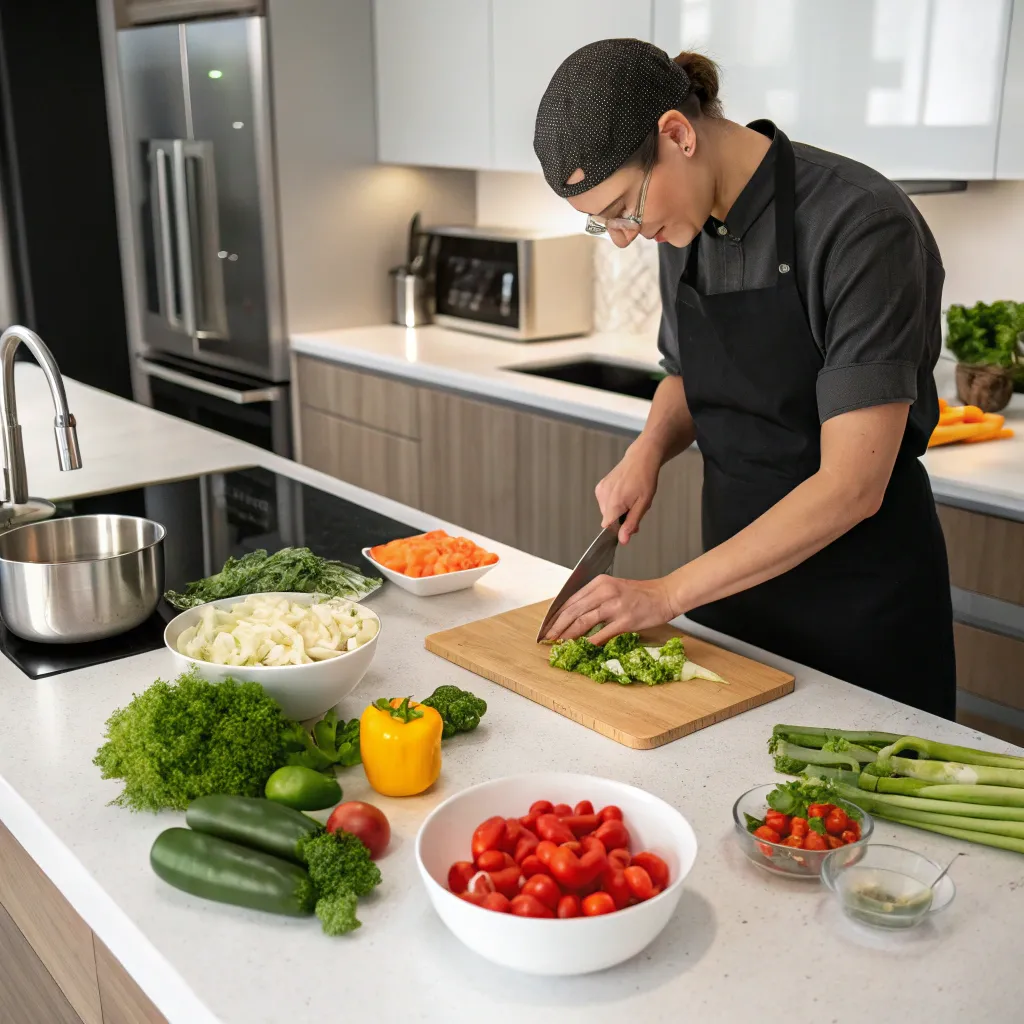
{"x":986,"y":340}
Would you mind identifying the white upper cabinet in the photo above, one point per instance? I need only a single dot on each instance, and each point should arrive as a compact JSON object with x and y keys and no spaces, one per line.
{"x":1010,"y":156}
{"x":433,"y":70}
{"x":911,"y":87}
{"x":531,"y":38}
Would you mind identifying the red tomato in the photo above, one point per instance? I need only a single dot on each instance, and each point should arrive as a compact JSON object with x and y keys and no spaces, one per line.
{"x":583,"y":807}
{"x":545,"y":888}
{"x":798,"y":827}
{"x":614,"y":883}
{"x":539,"y":807}
{"x":613,"y":835}
{"x":581,"y":824}
{"x":575,"y":846}
{"x":527,"y":844}
{"x":575,"y":872}
{"x":849,"y":836}
{"x":834,"y":842}
{"x":654,"y":866}
{"x":620,"y":858}
{"x":795,"y":841}
{"x":836,"y":822}
{"x":495,"y":901}
{"x":488,"y":836}
{"x":765,"y":832}
{"x":777,"y":821}
{"x":813,"y":841}
{"x":480,"y":884}
{"x":476,"y":898}
{"x":513,"y":830}
{"x":819,"y":810}
{"x":569,"y":906}
{"x":598,"y":903}
{"x":551,"y":827}
{"x":639,"y":882}
{"x":529,"y":821}
{"x":506,"y":881}
{"x":529,"y":906}
{"x":561,"y":810}
{"x":365,"y":822}
{"x":459,"y":875}
{"x":609,"y":813}
{"x":544,"y":850}
{"x":492,"y":860}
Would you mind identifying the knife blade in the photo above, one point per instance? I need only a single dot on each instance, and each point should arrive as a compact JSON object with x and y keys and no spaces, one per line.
{"x":596,"y":560}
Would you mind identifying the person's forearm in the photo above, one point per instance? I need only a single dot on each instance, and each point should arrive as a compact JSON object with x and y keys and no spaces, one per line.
{"x":806,"y":520}
{"x":669,"y":428}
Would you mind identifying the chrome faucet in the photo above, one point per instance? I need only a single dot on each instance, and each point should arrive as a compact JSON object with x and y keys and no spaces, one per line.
{"x":17,"y":507}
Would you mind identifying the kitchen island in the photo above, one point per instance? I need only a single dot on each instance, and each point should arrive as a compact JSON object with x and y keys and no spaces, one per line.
{"x":741,"y":944}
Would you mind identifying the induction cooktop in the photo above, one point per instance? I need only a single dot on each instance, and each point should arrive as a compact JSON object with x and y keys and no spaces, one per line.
{"x":209,"y":518}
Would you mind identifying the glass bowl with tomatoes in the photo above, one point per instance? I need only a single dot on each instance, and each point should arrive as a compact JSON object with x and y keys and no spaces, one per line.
{"x":796,"y":845}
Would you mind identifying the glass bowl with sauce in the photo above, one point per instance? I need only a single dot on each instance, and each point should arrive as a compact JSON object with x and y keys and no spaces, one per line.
{"x":886,"y":886}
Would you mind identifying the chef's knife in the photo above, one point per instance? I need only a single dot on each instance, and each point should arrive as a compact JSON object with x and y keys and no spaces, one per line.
{"x":414,"y":239}
{"x":596,"y":560}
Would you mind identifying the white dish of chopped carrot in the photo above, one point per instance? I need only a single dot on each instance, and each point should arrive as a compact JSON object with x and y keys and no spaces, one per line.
{"x":431,"y":563}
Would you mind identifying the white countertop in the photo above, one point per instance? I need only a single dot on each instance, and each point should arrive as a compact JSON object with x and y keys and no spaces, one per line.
{"x":986,"y":477}
{"x":742,"y":944}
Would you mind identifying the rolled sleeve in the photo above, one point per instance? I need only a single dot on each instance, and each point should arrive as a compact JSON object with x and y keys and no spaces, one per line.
{"x":875,"y":297}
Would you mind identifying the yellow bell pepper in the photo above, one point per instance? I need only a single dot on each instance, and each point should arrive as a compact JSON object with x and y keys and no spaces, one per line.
{"x":400,"y":743}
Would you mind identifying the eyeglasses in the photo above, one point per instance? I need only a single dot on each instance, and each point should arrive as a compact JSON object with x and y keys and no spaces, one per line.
{"x":627,"y":227}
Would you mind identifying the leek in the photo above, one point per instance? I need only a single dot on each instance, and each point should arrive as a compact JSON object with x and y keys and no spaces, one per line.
{"x":949,"y":752}
{"x":1005,"y":796}
{"x":810,"y":736}
{"x":881,"y":802}
{"x":791,"y":759}
{"x":969,"y":835}
{"x":951,"y":772}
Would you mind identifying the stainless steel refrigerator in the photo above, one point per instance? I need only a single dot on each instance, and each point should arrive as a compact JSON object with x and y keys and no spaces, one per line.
{"x":204,"y":238}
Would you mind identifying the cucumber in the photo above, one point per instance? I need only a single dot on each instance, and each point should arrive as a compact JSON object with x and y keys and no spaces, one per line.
{"x":252,"y":821}
{"x":302,"y":788}
{"x":218,"y":870}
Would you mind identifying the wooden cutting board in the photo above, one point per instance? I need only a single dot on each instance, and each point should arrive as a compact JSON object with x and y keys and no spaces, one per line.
{"x":503,"y":650}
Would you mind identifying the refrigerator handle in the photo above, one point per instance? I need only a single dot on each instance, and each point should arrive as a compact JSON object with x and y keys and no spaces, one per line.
{"x":183,"y":226}
{"x":167,"y":292}
{"x":201,"y":182}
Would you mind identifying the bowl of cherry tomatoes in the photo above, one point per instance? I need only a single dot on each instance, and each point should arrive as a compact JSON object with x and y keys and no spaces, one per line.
{"x":555,"y":873}
{"x":796,"y":845}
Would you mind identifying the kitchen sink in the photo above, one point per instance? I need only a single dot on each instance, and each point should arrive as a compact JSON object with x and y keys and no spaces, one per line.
{"x":620,"y":378}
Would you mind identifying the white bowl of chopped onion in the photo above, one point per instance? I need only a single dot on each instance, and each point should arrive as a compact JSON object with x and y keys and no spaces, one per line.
{"x":306,"y":650}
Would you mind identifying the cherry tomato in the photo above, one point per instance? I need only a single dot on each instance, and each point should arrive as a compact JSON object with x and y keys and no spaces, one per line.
{"x":506,"y":881}
{"x":598,"y":903}
{"x":539,"y":807}
{"x":819,"y":810}
{"x":480,"y":884}
{"x":493,"y":860}
{"x":836,"y":822}
{"x":545,"y":888}
{"x":849,"y":836}
{"x":813,"y":841}
{"x":529,"y":821}
{"x":620,"y":858}
{"x":569,"y":906}
{"x":495,"y":901}
{"x":575,"y":872}
{"x":583,"y":807}
{"x":639,"y":882}
{"x":476,"y":898}
{"x":798,"y":826}
{"x":575,"y":846}
{"x":525,"y":905}
{"x":561,"y":810}
{"x":795,"y":841}
{"x":531,"y":865}
{"x":552,"y":828}
{"x":545,"y":848}
{"x":527,"y":844}
{"x":834,"y":842}
{"x":459,"y":875}
{"x":654,"y":866}
{"x":488,"y":836}
{"x":765,"y":832}
{"x":777,"y":821}
{"x":613,"y":882}
{"x":581,"y":824}
{"x":365,"y":822}
{"x":610,"y":813}
{"x":613,"y":835}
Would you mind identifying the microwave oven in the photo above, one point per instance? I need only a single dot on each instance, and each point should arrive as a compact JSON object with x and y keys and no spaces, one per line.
{"x":511,"y":284}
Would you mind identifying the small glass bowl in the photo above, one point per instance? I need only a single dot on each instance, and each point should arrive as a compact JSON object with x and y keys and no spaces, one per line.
{"x":784,"y":860}
{"x":886,"y":886}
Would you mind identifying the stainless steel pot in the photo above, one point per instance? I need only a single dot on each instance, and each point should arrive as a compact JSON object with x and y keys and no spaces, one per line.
{"x":82,"y":578}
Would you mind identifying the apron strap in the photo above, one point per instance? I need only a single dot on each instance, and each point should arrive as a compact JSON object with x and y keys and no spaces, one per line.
{"x":785,"y":207}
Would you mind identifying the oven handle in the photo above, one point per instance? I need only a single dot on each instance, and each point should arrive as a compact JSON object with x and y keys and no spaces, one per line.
{"x":273,"y":393}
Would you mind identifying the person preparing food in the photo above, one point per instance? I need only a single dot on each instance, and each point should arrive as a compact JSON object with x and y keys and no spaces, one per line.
{"x":801,"y":301}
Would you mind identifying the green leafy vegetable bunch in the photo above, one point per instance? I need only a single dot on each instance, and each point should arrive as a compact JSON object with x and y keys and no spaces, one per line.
{"x":986,"y":333}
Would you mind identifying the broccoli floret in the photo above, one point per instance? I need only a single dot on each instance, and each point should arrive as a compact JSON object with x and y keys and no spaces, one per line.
{"x":460,"y":710}
{"x":621,"y":645}
{"x":642,"y":668}
{"x":570,"y":654}
{"x":339,"y":862}
{"x":337,"y":913}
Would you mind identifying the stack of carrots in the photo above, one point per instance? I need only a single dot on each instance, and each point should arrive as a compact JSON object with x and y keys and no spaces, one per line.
{"x":967,"y":423}
{"x":431,"y":554}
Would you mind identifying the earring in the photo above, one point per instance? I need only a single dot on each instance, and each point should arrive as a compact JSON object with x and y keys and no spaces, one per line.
{"x":686,"y":149}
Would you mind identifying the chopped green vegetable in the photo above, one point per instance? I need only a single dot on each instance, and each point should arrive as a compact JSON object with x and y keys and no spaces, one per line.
{"x":460,"y":710}
{"x":622,"y":644}
{"x":570,"y":654}
{"x":340,"y":867}
{"x":337,"y":913}
{"x":174,"y":743}
{"x":642,"y":668}
{"x":986,"y":333}
{"x":289,"y":570}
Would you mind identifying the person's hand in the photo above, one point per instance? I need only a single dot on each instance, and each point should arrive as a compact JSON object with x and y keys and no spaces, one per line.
{"x":629,"y":488}
{"x":622,"y":605}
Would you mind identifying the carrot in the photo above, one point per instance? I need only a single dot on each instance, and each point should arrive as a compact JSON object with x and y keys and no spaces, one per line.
{"x":943,"y":405}
{"x":431,"y":554}
{"x":959,"y":432}
{"x":972,"y":414}
{"x":997,"y":436}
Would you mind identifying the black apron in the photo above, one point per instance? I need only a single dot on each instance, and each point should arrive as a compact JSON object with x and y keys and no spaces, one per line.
{"x":873,"y":607}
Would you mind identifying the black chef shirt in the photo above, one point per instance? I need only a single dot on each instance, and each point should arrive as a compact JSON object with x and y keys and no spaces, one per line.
{"x":868,"y":272}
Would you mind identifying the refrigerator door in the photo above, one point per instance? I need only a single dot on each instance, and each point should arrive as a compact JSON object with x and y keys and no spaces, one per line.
{"x":229,"y":181}
{"x":156,"y":116}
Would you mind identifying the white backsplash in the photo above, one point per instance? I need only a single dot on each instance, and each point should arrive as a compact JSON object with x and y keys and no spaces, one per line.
{"x":626,"y":296}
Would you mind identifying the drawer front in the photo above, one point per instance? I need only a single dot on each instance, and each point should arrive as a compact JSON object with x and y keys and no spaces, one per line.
{"x":992,"y":727}
{"x":363,"y":398}
{"x":360,"y":455}
{"x":986,"y":553}
{"x":989,"y":665}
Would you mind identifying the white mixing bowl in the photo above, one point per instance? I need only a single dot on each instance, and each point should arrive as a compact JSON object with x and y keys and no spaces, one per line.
{"x":552,"y":946}
{"x":303,"y":691}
